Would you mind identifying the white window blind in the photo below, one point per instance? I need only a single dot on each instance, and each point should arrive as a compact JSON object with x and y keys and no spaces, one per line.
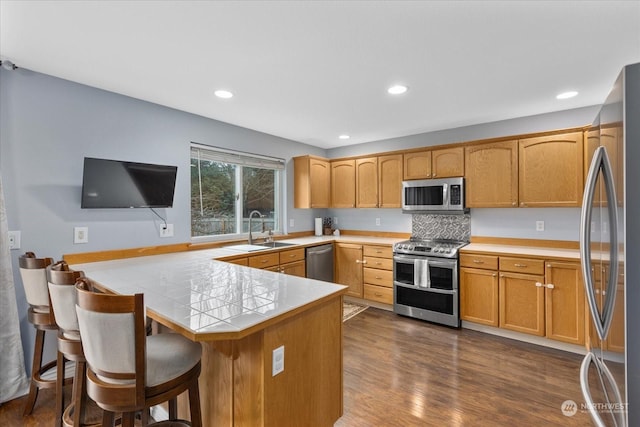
{"x":223,"y":155}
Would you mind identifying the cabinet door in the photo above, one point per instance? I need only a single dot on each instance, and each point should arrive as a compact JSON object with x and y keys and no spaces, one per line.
{"x":479,"y":296}
{"x":367,"y":182}
{"x":550,"y":171}
{"x":491,"y":175}
{"x":522,"y":303}
{"x":312,"y":182}
{"x":390,"y":181}
{"x":447,"y":162}
{"x":320,"y":179}
{"x":343,"y":184}
{"x":417,"y":165}
{"x":349,"y":267}
{"x":615,"y":339}
{"x":564,"y":302}
{"x":296,"y":268}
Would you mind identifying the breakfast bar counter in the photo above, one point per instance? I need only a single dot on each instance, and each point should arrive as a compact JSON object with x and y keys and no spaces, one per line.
{"x":241,"y":315}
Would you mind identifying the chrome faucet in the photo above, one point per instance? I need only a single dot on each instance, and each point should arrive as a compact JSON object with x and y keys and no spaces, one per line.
{"x":250,"y":217}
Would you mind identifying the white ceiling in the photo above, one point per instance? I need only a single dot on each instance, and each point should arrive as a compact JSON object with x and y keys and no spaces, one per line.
{"x":312,"y":70}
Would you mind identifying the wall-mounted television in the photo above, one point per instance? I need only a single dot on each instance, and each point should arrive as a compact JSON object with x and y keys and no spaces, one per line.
{"x":120,"y":184}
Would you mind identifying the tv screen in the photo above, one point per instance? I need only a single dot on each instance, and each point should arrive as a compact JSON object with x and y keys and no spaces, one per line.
{"x":119,"y":184}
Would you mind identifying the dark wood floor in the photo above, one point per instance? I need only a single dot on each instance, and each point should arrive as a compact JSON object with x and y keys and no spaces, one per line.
{"x":405,"y":372}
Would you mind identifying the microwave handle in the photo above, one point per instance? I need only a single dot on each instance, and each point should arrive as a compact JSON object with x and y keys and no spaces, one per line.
{"x":445,"y":195}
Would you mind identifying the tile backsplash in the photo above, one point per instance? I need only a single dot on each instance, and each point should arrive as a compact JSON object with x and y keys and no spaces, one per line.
{"x":436,"y":226}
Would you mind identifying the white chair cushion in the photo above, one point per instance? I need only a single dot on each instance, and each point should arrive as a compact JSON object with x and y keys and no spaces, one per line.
{"x":169,"y":356}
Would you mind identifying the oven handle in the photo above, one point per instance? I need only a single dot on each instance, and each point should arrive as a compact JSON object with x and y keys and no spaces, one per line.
{"x":434,"y":290}
{"x":438,"y":262}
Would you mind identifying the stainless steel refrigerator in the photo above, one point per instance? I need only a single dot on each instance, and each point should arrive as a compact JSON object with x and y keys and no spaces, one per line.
{"x":610,"y":257}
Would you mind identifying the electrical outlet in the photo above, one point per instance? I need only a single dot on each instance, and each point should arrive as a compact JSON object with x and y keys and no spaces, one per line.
{"x":14,"y":240}
{"x":292,"y":223}
{"x":378,"y":222}
{"x":278,"y":361}
{"x":166,"y":230}
{"x":335,"y":220}
{"x":539,"y":225}
{"x":80,"y":235}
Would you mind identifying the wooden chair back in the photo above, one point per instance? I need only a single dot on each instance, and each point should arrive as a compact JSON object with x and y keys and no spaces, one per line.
{"x":62,"y":291}
{"x":112,"y":329}
{"x":34,"y":279}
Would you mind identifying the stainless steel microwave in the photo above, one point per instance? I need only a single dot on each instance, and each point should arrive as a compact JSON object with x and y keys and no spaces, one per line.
{"x":443,"y":195}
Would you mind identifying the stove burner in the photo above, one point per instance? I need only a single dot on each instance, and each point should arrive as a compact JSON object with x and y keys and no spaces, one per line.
{"x":438,"y":248}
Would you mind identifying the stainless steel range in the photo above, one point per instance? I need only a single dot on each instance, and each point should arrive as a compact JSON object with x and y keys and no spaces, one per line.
{"x":425,"y":279}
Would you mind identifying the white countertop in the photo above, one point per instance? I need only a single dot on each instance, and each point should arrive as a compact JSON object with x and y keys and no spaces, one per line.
{"x":206,"y":297}
{"x":573,"y":254}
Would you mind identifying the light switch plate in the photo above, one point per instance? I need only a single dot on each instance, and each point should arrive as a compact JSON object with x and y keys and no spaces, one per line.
{"x":539,"y":225}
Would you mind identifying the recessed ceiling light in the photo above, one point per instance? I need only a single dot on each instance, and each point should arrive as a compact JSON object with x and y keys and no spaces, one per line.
{"x":344,"y":136}
{"x":567,"y":95}
{"x":397,"y":89}
{"x":225,"y":94}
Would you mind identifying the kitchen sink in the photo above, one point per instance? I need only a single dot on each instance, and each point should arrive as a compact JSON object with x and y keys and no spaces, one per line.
{"x":275,"y":244}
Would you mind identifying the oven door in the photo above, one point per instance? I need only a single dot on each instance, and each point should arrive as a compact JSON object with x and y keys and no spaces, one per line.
{"x":425,"y":272}
{"x":435,"y":302}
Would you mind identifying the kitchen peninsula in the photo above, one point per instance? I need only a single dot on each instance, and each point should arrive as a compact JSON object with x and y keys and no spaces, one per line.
{"x":241,"y":315}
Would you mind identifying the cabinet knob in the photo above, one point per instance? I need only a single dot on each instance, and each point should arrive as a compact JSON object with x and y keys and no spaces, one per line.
{"x":522,"y":204}
{"x":513,"y":203}
{"x":477,"y":261}
{"x":378,"y":294}
{"x":550,"y":286}
{"x":539,"y":285}
{"x":520,"y":265}
{"x":494,"y":275}
{"x":361,"y":262}
{"x":434,"y":174}
{"x":378,"y":278}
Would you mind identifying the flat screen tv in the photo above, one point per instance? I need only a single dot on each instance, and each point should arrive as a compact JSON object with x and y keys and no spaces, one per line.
{"x":119,"y":184}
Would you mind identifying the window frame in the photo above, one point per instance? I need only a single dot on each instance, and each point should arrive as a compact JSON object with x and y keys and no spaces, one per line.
{"x":240,"y":160}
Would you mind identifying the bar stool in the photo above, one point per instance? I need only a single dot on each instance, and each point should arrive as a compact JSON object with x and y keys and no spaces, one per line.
{"x":62,"y":292}
{"x":34,"y":280}
{"x":128,"y":371}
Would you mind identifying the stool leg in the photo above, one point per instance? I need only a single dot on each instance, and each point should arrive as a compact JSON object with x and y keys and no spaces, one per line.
{"x":79,"y":393}
{"x":59,"y":389}
{"x":35,"y":369}
{"x":107,"y":418}
{"x":173,"y":409}
{"x":194,"y":405}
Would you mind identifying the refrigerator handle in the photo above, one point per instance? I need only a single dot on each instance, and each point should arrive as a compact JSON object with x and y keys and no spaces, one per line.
{"x":604,"y":374}
{"x":602,"y":322}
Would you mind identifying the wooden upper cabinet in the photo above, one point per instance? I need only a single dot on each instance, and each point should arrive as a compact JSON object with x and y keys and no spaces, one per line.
{"x":390,"y":181}
{"x":491,"y":175}
{"x":312,"y":178}
{"x":447,"y":162}
{"x":551,"y":170}
{"x":343,"y":184}
{"x":417,"y":165}
{"x":367,"y":182}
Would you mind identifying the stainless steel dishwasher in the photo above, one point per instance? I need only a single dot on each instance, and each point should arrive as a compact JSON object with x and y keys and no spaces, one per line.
{"x":320,"y":262}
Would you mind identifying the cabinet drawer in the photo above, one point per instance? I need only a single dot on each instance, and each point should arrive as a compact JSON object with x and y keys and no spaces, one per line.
{"x":488,"y":262}
{"x":379,"y":263}
{"x":378,"y":277}
{"x":378,"y":293}
{"x":378,"y":251}
{"x":291,"y":255}
{"x":264,"y":261}
{"x":522,"y":265}
{"x":239,"y":261}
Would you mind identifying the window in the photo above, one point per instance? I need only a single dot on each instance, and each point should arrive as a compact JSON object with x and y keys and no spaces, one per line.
{"x":226,"y":186}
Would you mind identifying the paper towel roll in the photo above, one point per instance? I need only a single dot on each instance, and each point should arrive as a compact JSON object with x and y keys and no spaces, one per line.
{"x":318,"y":226}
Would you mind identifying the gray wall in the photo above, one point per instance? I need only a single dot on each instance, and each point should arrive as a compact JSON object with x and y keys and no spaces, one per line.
{"x":48,"y":126}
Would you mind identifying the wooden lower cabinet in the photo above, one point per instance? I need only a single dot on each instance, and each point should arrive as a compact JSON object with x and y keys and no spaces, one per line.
{"x":366,"y":269}
{"x":522,"y":303}
{"x":297,"y":268}
{"x":348,"y":267}
{"x":534,"y":296}
{"x":479,"y":296}
{"x":565,"y":305}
